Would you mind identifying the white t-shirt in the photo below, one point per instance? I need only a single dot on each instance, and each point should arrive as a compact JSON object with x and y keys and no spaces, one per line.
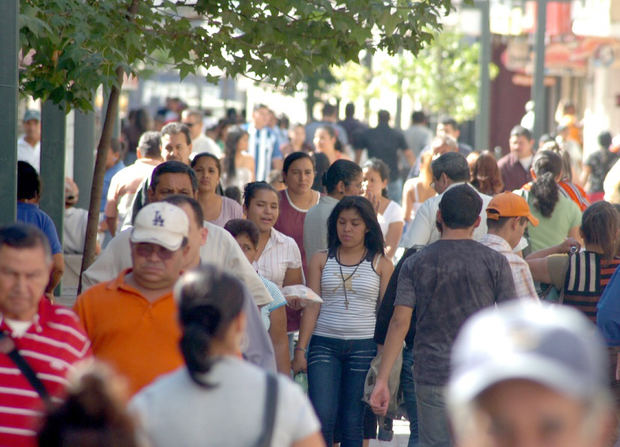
{"x":74,"y":230}
{"x":393,"y":213}
{"x":175,"y":411}
{"x":280,"y":254}
{"x":28,"y":153}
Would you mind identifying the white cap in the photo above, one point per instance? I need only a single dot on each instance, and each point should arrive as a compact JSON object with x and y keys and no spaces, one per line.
{"x":161,"y":223}
{"x":553,"y":345}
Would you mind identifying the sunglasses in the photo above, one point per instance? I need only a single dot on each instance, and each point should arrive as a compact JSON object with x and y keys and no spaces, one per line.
{"x":146,"y":250}
{"x":189,"y":124}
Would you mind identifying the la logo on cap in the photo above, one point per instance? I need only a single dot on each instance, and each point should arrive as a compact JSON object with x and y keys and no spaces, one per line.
{"x":157,"y":219}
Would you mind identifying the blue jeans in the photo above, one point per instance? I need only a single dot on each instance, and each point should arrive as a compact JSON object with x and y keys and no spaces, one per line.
{"x":395,"y":190}
{"x":408,"y":387}
{"x":432,"y":417}
{"x":336,"y":374}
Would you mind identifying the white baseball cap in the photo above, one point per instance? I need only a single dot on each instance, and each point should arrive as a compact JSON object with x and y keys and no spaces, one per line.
{"x":553,"y":345}
{"x":161,"y":223}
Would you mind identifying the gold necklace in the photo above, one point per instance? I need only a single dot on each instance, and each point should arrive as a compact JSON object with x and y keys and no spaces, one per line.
{"x":350,"y":277}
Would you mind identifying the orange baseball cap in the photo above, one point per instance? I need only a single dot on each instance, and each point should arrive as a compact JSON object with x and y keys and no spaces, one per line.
{"x":508,"y":204}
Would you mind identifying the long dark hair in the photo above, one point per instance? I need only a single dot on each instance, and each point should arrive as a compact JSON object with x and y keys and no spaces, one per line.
{"x":599,"y":224}
{"x":230,"y":150}
{"x":547,"y":166}
{"x":204,"y":315}
{"x":373,"y":240}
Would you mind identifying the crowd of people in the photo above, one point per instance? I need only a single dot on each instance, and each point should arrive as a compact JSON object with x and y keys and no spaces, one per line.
{"x":378,"y":268}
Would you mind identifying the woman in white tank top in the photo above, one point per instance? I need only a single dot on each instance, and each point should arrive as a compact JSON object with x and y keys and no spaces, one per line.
{"x":351,"y":277}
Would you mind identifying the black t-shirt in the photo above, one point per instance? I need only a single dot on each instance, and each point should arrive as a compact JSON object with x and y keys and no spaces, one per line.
{"x":383,"y":143}
{"x":600,"y":163}
{"x":446,"y":283}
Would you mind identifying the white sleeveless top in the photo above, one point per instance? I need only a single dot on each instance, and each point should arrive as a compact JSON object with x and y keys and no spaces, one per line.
{"x":362,"y":282}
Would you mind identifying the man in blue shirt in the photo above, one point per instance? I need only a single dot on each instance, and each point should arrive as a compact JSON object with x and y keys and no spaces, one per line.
{"x":28,"y":196}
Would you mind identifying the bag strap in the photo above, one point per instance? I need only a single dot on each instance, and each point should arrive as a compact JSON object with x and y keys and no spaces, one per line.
{"x":25,"y":368}
{"x":269,"y":418}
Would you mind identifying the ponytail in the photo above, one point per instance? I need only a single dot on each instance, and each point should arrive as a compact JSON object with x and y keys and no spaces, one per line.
{"x":205,"y":316}
{"x":547,"y":166}
{"x":545,"y":194}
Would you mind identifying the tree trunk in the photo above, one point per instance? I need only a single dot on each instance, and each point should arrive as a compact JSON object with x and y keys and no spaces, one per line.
{"x":90,"y":242}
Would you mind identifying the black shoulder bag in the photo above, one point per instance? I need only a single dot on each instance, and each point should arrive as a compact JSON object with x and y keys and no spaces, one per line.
{"x":269,"y":419}
{"x":8,"y":347}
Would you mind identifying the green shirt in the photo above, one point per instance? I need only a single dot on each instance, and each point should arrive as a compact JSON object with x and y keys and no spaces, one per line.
{"x":554,"y":229}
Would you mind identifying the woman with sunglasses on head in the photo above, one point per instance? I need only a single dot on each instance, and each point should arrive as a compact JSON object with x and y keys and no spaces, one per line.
{"x":217,"y":209}
{"x":351,"y":277}
{"x":203,"y":402}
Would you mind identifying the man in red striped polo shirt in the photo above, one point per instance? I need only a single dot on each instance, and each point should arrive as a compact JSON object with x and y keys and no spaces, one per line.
{"x":47,"y":337}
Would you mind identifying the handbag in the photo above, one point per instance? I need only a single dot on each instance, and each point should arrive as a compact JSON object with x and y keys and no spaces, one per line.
{"x":396,"y":395}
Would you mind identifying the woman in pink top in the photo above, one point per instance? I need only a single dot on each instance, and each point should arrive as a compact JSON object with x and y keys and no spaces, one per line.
{"x":295,"y":201}
{"x":216,"y":208}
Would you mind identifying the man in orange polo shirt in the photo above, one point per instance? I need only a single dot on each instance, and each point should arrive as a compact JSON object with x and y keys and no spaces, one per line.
{"x":131,"y":321}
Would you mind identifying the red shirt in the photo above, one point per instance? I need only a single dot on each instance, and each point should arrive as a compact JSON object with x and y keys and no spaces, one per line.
{"x":52,"y":345}
{"x":291,"y":222}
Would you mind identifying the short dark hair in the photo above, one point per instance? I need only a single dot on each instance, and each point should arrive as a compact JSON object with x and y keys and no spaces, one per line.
{"x":383,"y":116}
{"x":340,"y":170}
{"x":117,"y":146}
{"x":453,"y":164}
{"x":293,"y":157}
{"x":349,"y":110}
{"x":243,"y":226}
{"x":175,"y":129}
{"x":604,"y":139}
{"x":373,"y":240}
{"x":497,"y":224}
{"x":28,"y":181}
{"x":179,"y":199}
{"x":521,"y":131}
{"x":173,"y":167}
{"x":252,"y":188}
{"x":448,"y":120}
{"x":329,"y":109}
{"x":20,"y":235}
{"x":418,"y":117}
{"x":150,"y":144}
{"x":460,"y":206}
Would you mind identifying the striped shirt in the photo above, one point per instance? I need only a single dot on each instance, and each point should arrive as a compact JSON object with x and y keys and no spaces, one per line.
{"x":586,"y":278}
{"x":263,"y":146}
{"x":280,"y":254}
{"x":521,"y":275}
{"x":355,"y":321}
{"x":583,"y":277}
{"x":52,"y":345}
